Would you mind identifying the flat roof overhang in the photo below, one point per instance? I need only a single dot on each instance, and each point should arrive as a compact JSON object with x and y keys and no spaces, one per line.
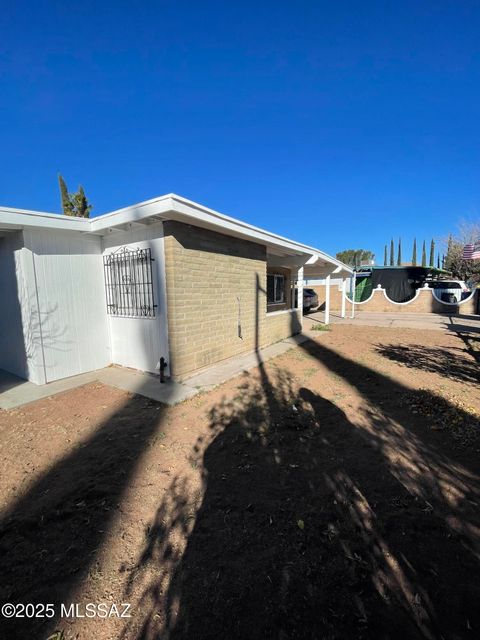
{"x":174,"y":207}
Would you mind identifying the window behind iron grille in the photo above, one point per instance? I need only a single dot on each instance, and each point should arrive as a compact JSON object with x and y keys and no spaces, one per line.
{"x":129,"y":283}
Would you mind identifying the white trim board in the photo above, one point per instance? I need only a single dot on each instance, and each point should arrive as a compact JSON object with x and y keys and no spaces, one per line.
{"x":168,"y":207}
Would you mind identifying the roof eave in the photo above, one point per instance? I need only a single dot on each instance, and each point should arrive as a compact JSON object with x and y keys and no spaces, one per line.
{"x":171,"y":207}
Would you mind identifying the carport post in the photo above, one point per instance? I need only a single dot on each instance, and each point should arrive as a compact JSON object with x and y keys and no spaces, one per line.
{"x":327,"y":299}
{"x":353,"y":280}
{"x":344,"y":293}
{"x":300,"y":292}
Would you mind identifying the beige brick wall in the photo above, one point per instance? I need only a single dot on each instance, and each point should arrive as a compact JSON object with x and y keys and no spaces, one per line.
{"x":281,"y":325}
{"x":335,"y":296}
{"x":215,"y":284}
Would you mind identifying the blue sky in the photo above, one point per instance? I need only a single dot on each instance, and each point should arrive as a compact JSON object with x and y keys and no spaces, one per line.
{"x":339,"y":124}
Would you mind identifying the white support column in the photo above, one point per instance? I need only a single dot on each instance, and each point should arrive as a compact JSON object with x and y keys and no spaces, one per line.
{"x":300,"y":294}
{"x":327,"y":299}
{"x":344,"y":293}
{"x":352,"y":296}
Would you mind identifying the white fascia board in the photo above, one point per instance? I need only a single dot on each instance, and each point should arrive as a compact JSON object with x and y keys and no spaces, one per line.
{"x":167,"y":207}
{"x":174,"y":207}
{"x":258,"y":234}
{"x":136,"y":213}
{"x":10,"y":218}
{"x":321,"y":260}
{"x":193,"y":213}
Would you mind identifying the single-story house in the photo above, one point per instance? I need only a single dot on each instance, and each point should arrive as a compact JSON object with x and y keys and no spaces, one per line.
{"x":164,"y":283}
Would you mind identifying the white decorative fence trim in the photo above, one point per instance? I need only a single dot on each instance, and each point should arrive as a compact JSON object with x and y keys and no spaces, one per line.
{"x":417,"y":294}
{"x":453,"y":304}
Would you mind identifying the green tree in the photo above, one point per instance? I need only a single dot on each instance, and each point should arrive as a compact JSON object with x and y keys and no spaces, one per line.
{"x":81,"y":206}
{"x":414,"y":254}
{"x":355,"y":257}
{"x":438,"y":261}
{"x":67,"y":206}
{"x":399,"y":254}
{"x":468,"y":270}
{"x":431,"y":262}
{"x":392,"y":250}
{"x":424,"y":255}
{"x":385,"y":256}
{"x":74,"y":204}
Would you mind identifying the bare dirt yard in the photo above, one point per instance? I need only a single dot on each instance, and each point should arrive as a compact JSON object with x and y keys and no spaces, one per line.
{"x":332,"y":493}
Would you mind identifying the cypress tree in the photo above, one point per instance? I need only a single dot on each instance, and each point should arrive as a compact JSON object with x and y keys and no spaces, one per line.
{"x":432,"y":253}
{"x":399,"y":254}
{"x":392,"y":251}
{"x":424,"y":256}
{"x":447,"y":258}
{"x":438,"y":261}
{"x":67,"y":206}
{"x":414,"y":254}
{"x":385,"y":256}
{"x":81,"y":205}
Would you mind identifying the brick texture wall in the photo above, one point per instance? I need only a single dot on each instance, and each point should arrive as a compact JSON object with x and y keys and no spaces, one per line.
{"x":335,"y":296}
{"x":216,"y":298}
{"x":280,"y":326}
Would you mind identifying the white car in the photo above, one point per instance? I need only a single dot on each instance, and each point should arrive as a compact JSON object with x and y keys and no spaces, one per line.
{"x":450,"y":290}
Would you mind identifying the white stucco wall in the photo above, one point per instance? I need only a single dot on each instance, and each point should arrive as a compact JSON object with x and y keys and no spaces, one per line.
{"x":141,"y":342}
{"x":13,"y":356}
{"x":68,"y":329}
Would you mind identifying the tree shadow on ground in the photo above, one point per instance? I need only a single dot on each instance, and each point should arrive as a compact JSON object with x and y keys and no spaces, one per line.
{"x":451,"y":363}
{"x":470,"y":338}
{"x":314,"y":525}
{"x":51,"y":535}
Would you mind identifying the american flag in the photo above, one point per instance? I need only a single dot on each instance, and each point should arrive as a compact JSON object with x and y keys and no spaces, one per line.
{"x":476,"y":250}
{"x":471,"y":251}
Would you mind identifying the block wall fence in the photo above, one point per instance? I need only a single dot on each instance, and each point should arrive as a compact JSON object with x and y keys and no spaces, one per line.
{"x":425,"y":301}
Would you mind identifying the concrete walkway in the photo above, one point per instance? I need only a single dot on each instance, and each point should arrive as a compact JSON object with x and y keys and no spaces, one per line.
{"x":227,"y":369}
{"x":15,"y":392}
{"x":438,"y":322}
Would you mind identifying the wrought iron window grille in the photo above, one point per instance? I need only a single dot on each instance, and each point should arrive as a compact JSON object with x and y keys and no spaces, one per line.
{"x":129,"y":283}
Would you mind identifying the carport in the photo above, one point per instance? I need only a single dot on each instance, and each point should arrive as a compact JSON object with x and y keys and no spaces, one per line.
{"x":318,"y":267}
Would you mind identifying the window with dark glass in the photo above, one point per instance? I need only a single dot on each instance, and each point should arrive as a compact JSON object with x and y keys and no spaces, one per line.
{"x":275,"y":288}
